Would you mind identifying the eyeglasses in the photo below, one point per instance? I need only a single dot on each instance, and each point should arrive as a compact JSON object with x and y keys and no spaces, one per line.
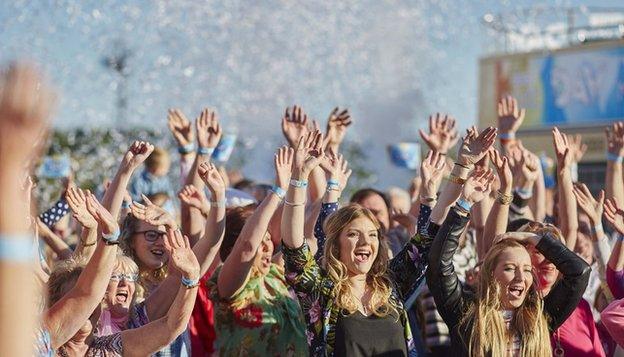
{"x":131,"y":278}
{"x":151,"y":235}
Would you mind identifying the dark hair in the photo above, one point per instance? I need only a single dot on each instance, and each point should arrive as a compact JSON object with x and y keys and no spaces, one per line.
{"x":244,"y":184}
{"x":364,"y":193}
{"x":514,"y":225}
{"x":235,"y":219}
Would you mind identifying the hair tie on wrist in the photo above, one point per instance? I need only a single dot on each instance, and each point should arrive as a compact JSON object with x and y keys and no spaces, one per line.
{"x":278,"y":191}
{"x":16,"y":248}
{"x":205,"y":151}
{"x":299,"y":183}
{"x":614,"y":158}
{"x":112,"y":238}
{"x":186,"y":149}
{"x":188,"y":283}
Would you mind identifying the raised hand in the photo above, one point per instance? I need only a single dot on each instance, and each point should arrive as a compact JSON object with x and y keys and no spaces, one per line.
{"x":431,"y":174}
{"x":209,"y":173}
{"x":442,"y":133}
{"x":308,"y":154}
{"x":152,"y":214}
{"x":405,"y":219}
{"x":337,"y":168}
{"x":25,"y":105}
{"x":578,"y":148}
{"x":510,"y":117}
{"x":77,"y":201}
{"x":614,"y":215}
{"x":520,"y":237}
{"x":587,"y":203}
{"x":501,"y":164}
{"x":193,"y":197}
{"x":208,"y":129}
{"x":283,"y":161}
{"x":136,"y":154}
{"x":180,"y":127}
{"x":181,"y":256}
{"x":562,"y":149}
{"x":478,"y":186}
{"x":337,"y":125}
{"x":474,"y":146}
{"x":294,"y":125}
{"x":615,"y":139}
{"x":524,"y":165}
{"x":106,"y":223}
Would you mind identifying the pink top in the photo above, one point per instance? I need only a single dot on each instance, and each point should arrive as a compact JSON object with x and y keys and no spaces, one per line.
{"x":578,"y":335}
{"x":615,"y":280}
{"x":613,"y":320}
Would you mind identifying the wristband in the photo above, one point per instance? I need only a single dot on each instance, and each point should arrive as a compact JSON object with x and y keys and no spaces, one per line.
{"x":112,"y":238}
{"x":298,"y":183}
{"x":278,"y":191}
{"x":333,"y":185}
{"x":189,"y":284}
{"x":526,"y":194}
{"x":16,"y":248}
{"x":597,"y":228}
{"x":186,"y":149}
{"x":125,"y":205}
{"x":464,"y":205}
{"x":507,"y":136}
{"x":614,"y":158}
{"x":205,"y":151}
{"x":217,"y":203}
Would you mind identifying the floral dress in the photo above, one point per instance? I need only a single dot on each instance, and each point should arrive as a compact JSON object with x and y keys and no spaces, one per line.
{"x":316,"y":294}
{"x":262,"y":319}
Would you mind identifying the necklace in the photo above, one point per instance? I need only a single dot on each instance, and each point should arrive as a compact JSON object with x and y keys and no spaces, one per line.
{"x":363,"y":308}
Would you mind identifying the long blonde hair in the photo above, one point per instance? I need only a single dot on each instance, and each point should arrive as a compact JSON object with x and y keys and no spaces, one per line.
{"x":376,"y":279}
{"x":484,"y":323}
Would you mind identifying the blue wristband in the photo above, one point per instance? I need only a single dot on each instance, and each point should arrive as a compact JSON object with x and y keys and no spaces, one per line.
{"x":278,"y":191}
{"x":299,"y":183}
{"x":614,"y":158}
{"x":189,"y":283}
{"x":525,"y":194}
{"x":126,"y":205}
{"x":506,"y":136}
{"x":463,"y":204}
{"x":205,"y":151}
{"x":186,"y":149}
{"x":16,"y":248}
{"x":619,"y":237}
{"x":112,"y":238}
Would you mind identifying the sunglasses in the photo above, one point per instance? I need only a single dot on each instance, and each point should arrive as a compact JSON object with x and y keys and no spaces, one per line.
{"x":131,"y":278}
{"x":151,"y":235}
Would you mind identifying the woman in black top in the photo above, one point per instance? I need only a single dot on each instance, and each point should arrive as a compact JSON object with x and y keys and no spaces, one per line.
{"x":506,"y":315}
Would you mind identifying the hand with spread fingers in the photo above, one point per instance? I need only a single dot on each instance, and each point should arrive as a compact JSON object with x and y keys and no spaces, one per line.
{"x":615,"y":139}
{"x":525,"y":166}
{"x":578,"y":148}
{"x":337,"y":125}
{"x":478,"y":186}
{"x":442,"y":133}
{"x":106,"y":223}
{"x":587,"y":203}
{"x":614,"y":214}
{"x":431,"y":174}
{"x":501,"y":164}
{"x":337,"y":168}
{"x":180,"y":127}
{"x":181,"y":256}
{"x":283,"y":161}
{"x":152,"y":214}
{"x":294,"y":124}
{"x":137,"y":154}
{"x":474,"y":145}
{"x":307,"y":155}
{"x":208,"y":129}
{"x":77,"y":201}
{"x":510,"y":116}
{"x":209,"y":173}
{"x":195,"y":198}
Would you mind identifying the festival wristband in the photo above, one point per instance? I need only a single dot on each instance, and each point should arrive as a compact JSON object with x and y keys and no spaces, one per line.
{"x":333,"y":185}
{"x":205,"y":151}
{"x":112,"y":238}
{"x":507,"y":136}
{"x":16,"y":248}
{"x":125,"y":205}
{"x":217,"y":203}
{"x":278,"y":191}
{"x":298,"y":183}
{"x":186,"y":149}
{"x":526,"y":194}
{"x":463,"y":204}
{"x":614,"y":158}
{"x":188,"y":283}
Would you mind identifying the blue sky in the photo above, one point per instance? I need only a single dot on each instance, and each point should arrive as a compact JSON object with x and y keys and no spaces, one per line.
{"x":391,"y":62}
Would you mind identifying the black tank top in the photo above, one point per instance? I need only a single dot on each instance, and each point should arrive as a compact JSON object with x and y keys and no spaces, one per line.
{"x":358,"y":335}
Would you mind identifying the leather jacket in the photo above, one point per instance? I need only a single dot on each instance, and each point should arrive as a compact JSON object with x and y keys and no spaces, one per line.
{"x":452,"y":300}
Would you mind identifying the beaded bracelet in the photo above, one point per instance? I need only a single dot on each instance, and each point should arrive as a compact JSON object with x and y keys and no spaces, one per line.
{"x":112,"y":238}
{"x":189,"y":284}
{"x":186,"y":149}
{"x":16,"y":248}
{"x":205,"y":151}
{"x":299,"y":183}
{"x":278,"y":191}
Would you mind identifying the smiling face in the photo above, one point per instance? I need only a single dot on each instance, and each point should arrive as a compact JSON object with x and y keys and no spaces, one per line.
{"x":358,"y":244}
{"x":119,"y":292}
{"x":513,"y":274}
{"x":264,"y":255}
{"x":150,"y":255}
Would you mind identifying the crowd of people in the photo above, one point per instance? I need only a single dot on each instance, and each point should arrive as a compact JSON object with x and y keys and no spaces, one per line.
{"x":483,"y":255}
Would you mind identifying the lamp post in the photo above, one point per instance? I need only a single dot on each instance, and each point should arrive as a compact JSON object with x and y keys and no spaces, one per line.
{"x":118,"y":62}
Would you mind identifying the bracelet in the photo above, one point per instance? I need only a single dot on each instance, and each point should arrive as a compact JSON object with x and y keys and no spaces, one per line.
{"x":16,"y":248}
{"x":278,"y":191}
{"x":597,"y":228}
{"x":84,"y":244}
{"x":205,"y":151}
{"x":217,"y":203}
{"x":299,"y":183}
{"x":464,"y":205}
{"x":614,"y":158}
{"x":460,"y":171}
{"x":428,"y":199}
{"x":458,"y":180}
{"x":526,"y":194}
{"x":504,"y":198}
{"x":294,"y":204}
{"x":190,"y":284}
{"x":112,"y":238}
{"x":125,"y":205}
{"x":507,"y":136}
{"x":333,"y":185}
{"x":186,"y":149}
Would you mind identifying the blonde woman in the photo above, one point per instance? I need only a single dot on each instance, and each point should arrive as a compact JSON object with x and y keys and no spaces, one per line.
{"x":506,"y":315}
{"x":355,"y":305}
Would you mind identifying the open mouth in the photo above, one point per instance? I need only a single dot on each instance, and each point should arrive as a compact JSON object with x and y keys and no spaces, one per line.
{"x":266,"y":260}
{"x":157,"y":252}
{"x":515,"y":291}
{"x":362,"y":255}
{"x":121,"y":296}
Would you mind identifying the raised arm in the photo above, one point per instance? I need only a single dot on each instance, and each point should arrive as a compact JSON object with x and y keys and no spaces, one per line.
{"x":77,"y":200}
{"x":593,"y":208}
{"x":68,"y":314}
{"x":615,"y":154}
{"x":337,"y":124}
{"x":510,"y":118}
{"x":442,"y":134}
{"x":497,"y":219}
{"x":150,"y":338}
{"x":238,"y":264}
{"x":525,"y":168}
{"x":614,"y":214}
{"x":567,"y":203}
{"x":56,"y":243}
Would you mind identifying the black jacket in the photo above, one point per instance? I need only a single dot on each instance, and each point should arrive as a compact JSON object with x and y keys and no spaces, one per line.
{"x":452,"y":300}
